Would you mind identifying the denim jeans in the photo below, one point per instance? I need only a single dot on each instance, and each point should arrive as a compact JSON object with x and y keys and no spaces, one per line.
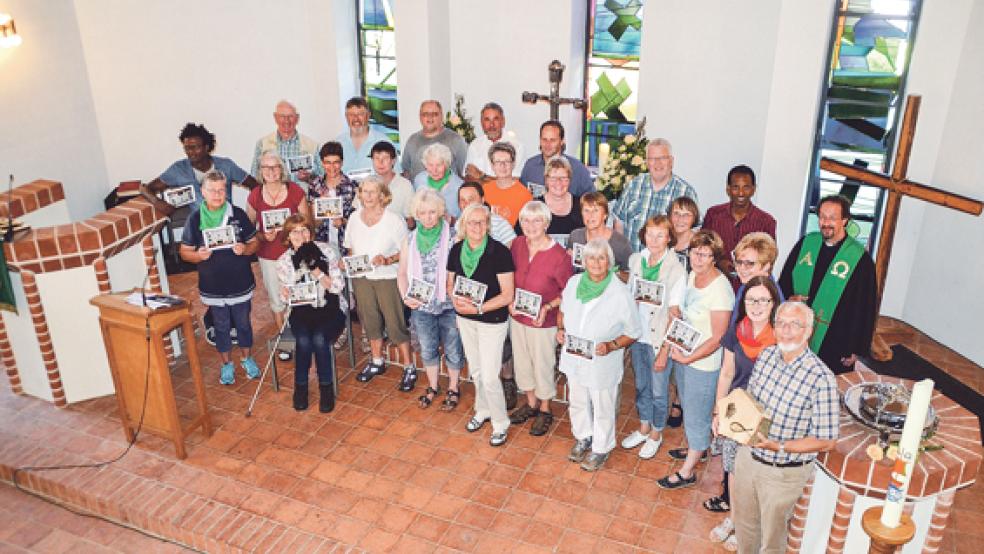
{"x":697,"y":390}
{"x":315,"y":339}
{"x":224,"y":317}
{"x":436,"y":330}
{"x":657,"y":404}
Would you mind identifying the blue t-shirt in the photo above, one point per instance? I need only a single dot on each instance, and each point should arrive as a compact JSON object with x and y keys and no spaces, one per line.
{"x":224,"y":275}
{"x":581,"y":182}
{"x":181,"y":173}
{"x":355,"y":160}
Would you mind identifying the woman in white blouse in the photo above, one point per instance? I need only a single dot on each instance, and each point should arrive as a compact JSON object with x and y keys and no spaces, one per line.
{"x":377,"y":233}
{"x":316,"y":324}
{"x":597,"y":319}
{"x":654,"y":266}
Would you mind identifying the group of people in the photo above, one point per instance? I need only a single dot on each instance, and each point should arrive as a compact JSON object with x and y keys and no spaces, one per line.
{"x":447,"y":246}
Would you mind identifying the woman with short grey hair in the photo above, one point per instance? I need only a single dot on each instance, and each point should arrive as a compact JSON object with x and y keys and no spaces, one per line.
{"x":597,"y":320}
{"x":543,"y":268}
{"x":439,"y":177}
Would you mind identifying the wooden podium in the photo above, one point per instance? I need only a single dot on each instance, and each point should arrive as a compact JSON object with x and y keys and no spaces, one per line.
{"x":134,"y":338}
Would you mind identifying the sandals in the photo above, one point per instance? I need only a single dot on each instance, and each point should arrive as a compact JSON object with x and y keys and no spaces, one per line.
{"x":450,"y":401}
{"x":717,"y":504}
{"x":680,"y":483}
{"x":428,"y":397}
{"x":681,"y":454}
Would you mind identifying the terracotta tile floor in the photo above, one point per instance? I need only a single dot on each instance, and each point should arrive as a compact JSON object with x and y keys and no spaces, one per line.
{"x":378,"y":474}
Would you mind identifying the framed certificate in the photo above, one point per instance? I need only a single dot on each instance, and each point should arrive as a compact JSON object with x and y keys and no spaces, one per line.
{"x":650,"y":292}
{"x":469,"y":290}
{"x":219,"y":237}
{"x":179,"y":196}
{"x":580,"y":347}
{"x":328,"y":208}
{"x":578,"y":256}
{"x":357,"y":266}
{"x":300,"y":163}
{"x":303,"y":294}
{"x":683,"y":336}
{"x":420,"y":290}
{"x":274,"y":220}
{"x":528,"y":303}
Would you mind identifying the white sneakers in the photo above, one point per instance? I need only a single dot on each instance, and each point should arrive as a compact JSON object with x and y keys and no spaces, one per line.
{"x":633,"y":440}
{"x":649,"y":446}
{"x":724,"y":533}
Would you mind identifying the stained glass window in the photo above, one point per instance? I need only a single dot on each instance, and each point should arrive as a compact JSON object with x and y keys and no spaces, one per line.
{"x":612,"y":75}
{"x":863,"y":102}
{"x":377,"y":62}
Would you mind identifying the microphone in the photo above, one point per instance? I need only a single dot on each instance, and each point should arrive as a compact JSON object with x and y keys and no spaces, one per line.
{"x":146,"y":279}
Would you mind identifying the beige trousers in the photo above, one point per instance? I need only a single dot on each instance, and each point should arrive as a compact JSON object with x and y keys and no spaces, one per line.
{"x":534,"y":353}
{"x":762,"y":500}
{"x":483,"y":343}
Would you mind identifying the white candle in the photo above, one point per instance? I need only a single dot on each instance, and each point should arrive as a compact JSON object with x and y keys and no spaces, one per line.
{"x":604,"y":149}
{"x":915,"y":421}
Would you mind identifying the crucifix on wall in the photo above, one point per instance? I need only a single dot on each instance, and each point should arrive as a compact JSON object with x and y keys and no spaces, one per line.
{"x":898,"y":186}
{"x":556,"y":74}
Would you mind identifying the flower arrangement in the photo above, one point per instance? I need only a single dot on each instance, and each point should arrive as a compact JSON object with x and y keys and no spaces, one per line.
{"x":458,"y":121}
{"x":624,"y":163}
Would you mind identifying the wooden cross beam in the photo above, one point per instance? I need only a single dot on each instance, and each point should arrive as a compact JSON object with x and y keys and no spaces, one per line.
{"x":898,"y":186}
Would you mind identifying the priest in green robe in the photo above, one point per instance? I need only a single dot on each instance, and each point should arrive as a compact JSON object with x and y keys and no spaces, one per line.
{"x":835,"y":275}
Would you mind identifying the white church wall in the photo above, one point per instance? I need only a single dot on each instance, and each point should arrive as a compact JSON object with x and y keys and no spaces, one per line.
{"x":496,"y":54}
{"x":932,"y":73}
{"x":943,"y":296}
{"x":224,"y":64}
{"x":423,"y":69}
{"x":49,"y":119}
{"x":706,"y":83}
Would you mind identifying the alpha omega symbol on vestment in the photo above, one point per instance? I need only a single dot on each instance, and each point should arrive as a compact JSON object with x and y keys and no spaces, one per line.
{"x":807,"y":259}
{"x":840,"y":269}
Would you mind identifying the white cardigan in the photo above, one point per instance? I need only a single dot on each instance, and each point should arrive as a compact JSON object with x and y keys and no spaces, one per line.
{"x":605,"y":318}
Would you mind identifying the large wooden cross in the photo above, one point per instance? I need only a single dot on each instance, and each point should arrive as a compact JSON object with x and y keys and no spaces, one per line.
{"x":898,"y":186}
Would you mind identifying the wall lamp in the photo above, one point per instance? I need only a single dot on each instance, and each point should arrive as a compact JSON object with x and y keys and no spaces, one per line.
{"x":8,"y":32}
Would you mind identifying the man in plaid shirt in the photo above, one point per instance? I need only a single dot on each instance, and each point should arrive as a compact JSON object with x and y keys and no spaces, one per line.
{"x":799,"y":394}
{"x":650,"y":193}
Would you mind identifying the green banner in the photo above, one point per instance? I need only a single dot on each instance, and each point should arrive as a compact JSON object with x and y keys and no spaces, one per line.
{"x":7,"y":301}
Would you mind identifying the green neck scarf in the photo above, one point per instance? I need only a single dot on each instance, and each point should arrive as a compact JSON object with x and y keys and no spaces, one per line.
{"x":651,"y":273}
{"x":439,"y":184}
{"x":427,"y":238}
{"x":469,"y":258}
{"x":588,"y":290}
{"x":211,"y":219}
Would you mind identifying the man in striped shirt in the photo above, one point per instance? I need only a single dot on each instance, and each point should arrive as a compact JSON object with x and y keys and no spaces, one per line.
{"x":738,"y":216}
{"x":799,"y":395}
{"x":650,"y":193}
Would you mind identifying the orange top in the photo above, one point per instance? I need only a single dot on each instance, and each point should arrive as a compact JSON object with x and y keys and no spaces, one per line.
{"x":506,"y":202}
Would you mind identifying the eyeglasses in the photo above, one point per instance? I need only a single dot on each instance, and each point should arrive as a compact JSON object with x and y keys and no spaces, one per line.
{"x":553,"y":179}
{"x":658,"y":159}
{"x":270,"y":167}
{"x":702,"y":255}
{"x":795,"y":324}
{"x":745,"y":264}
{"x":501,"y":162}
{"x":757,"y":301}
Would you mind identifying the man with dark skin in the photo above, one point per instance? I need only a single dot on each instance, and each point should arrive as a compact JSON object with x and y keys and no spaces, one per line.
{"x":739,"y":216}
{"x":198,"y":144}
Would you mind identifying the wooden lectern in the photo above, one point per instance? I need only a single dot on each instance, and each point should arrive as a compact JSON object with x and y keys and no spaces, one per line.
{"x":134,"y":338}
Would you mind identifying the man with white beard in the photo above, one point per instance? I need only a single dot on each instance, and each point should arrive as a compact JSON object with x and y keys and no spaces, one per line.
{"x":799,"y":395}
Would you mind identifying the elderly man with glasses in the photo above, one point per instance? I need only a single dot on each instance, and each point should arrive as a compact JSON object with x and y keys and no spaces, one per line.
{"x":799,"y":395}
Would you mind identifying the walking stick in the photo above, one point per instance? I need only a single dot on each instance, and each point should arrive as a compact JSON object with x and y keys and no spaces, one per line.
{"x":273,"y":352}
